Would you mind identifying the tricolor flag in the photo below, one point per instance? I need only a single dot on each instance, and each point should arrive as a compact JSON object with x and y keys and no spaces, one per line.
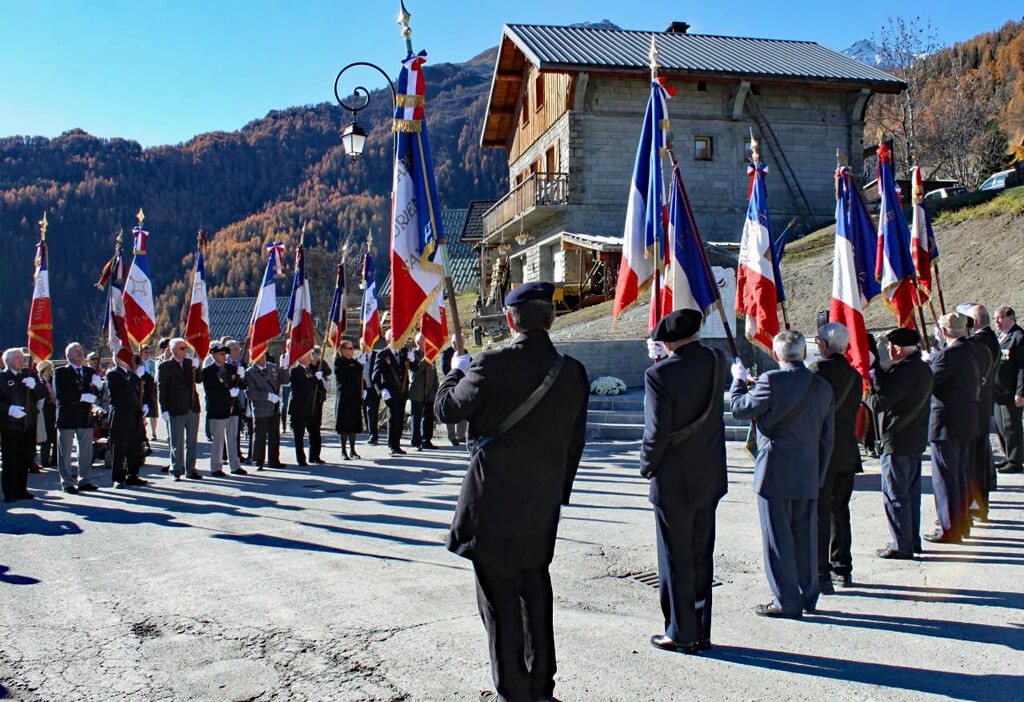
{"x":757,"y":277}
{"x":416,"y":210}
{"x":197,"y":325}
{"x":139,"y":311}
{"x":40,"y":315}
{"x":114,"y":274}
{"x":852,"y":287}
{"x":339,"y":313}
{"x":369,"y":316}
{"x":301,"y":332}
{"x":687,"y":275}
{"x":434,"y":329}
{"x":264,"y":326}
{"x":894,"y":268}
{"x":922,"y":239}
{"x":645,"y":206}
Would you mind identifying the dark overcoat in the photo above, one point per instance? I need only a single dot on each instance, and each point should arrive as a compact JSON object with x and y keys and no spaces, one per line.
{"x":176,"y":387}
{"x":901,"y":396}
{"x":1009,"y":379}
{"x":126,"y":400}
{"x":348,"y":414}
{"x":847,"y":385}
{"x":957,"y":380}
{"x":217,"y":384}
{"x":69,"y":387}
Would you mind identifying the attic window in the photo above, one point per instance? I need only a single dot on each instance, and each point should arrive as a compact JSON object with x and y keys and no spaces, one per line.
{"x":525,"y":113}
{"x":755,"y":89}
{"x":702,"y":86}
{"x":702,"y":148}
{"x":538,"y":92}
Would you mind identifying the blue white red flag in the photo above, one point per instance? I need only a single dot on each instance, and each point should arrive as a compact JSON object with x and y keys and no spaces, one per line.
{"x":197,"y":324}
{"x":369,"y":315}
{"x":264,"y":325}
{"x":922,"y":238}
{"x":139,"y":310}
{"x":434,"y":329}
{"x":757,"y":276}
{"x":416,"y":210}
{"x":339,"y":312}
{"x":40,"y":314}
{"x":645,"y":207}
{"x":757,"y":209}
{"x":301,"y":331}
{"x":687,"y":275}
{"x":114,"y":274}
{"x":894,"y":268}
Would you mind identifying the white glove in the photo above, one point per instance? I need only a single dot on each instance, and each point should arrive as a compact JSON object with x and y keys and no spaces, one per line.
{"x":926,"y":356}
{"x":385,"y":394}
{"x":874,"y":375}
{"x":16,"y":412}
{"x":656,"y":350}
{"x":88,"y":397}
{"x":233,"y":392}
{"x":145,"y":410}
{"x":241,"y":372}
{"x":97,"y":381}
{"x":140,"y":371}
{"x":461,"y":362}
{"x":166,"y":417}
{"x":364,"y":394}
{"x":319,"y":375}
{"x":739,"y":371}
{"x":273,"y":397}
{"x":29,"y":382}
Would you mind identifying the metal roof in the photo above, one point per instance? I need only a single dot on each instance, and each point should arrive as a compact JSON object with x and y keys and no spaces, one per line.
{"x":229,"y":316}
{"x":474,"y":227}
{"x":584,"y":48}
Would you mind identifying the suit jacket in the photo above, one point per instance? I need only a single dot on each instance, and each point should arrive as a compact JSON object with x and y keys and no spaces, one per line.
{"x":692,"y":473}
{"x":423,"y":387}
{"x":389,"y":373}
{"x":320,"y":392}
{"x":1009,"y":379}
{"x":13,"y":392}
{"x":957,"y":379}
{"x":508,"y":507}
{"x":72,"y":413}
{"x":791,"y":462}
{"x":986,"y":339}
{"x":259,"y":384}
{"x":304,"y":388}
{"x":842,"y":377}
{"x":901,"y":392}
{"x":176,"y":387}
{"x":217,"y":384}
{"x":446,"y":359}
{"x":126,"y":399}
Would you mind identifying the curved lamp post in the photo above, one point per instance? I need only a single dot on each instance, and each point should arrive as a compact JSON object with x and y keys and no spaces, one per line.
{"x":353,"y":137}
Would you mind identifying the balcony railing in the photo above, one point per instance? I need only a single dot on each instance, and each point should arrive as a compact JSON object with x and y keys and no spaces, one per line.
{"x":540,"y":192}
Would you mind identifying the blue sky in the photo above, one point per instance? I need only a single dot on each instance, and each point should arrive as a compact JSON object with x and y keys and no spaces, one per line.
{"x":161,"y":71}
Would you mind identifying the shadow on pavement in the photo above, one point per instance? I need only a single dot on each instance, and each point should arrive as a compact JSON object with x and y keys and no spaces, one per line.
{"x":1012,"y":636}
{"x":30,"y":523}
{"x":983,"y":598}
{"x":10,"y":579}
{"x":281,"y":542}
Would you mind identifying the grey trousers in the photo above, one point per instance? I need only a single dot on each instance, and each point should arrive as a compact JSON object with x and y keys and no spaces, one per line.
{"x":224,"y":431}
{"x":183,"y":435}
{"x":72,"y":475}
{"x":457,"y":432}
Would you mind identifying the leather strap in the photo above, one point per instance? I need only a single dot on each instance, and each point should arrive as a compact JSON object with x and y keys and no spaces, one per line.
{"x":681,"y":435}
{"x":523,"y":409}
{"x":795,"y":412}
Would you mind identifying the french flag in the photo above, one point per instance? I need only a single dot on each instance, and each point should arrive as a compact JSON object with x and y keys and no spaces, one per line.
{"x":757,"y":278}
{"x":434,"y":329}
{"x":114,"y":322}
{"x":645,"y":206}
{"x":688,"y":274}
{"x":197,"y":325}
{"x":40,"y":315}
{"x":895,"y":266}
{"x":922,"y":238}
{"x":852,"y":287}
{"x":139,"y":310}
{"x":369,"y":315}
{"x":339,"y":313}
{"x":264,"y":326}
{"x":302,"y":333}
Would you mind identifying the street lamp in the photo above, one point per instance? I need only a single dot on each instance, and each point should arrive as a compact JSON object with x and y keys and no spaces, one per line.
{"x":353,"y":137}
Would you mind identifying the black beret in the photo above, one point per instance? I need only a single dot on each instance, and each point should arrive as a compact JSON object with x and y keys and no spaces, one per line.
{"x":219,"y":348}
{"x":530,"y":291}
{"x":904,"y":337}
{"x":678,"y":325}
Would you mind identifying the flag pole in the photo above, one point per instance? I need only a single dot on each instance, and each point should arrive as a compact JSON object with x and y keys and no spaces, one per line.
{"x":140,"y":217}
{"x":938,"y":285}
{"x":658,"y":255}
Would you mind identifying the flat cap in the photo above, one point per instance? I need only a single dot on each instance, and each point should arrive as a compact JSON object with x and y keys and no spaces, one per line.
{"x":530,"y":291}
{"x":678,"y":325}
{"x":954,"y":322}
{"x":904,"y":337}
{"x":220,"y":348}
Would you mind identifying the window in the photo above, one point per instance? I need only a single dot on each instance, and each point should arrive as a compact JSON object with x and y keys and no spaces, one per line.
{"x":701,"y":86}
{"x":525,"y":115}
{"x":551,"y":159}
{"x":702,"y":148}
{"x":538,"y":92}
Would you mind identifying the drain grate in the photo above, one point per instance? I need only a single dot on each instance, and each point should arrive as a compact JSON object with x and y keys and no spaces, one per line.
{"x":650,"y":578}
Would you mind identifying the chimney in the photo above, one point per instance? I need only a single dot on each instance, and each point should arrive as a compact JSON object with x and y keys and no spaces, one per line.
{"x":677,"y":28}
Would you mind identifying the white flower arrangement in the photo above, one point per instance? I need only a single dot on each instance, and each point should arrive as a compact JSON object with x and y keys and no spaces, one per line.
{"x":607,"y":385}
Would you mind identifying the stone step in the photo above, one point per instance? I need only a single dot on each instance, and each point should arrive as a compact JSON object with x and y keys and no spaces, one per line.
{"x":597,"y":431}
{"x":601,"y":416}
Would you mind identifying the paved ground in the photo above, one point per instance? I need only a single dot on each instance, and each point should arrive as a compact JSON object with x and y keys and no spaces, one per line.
{"x":332,"y":583}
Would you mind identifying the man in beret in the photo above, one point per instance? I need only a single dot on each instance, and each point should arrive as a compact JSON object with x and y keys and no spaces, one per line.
{"x":683,"y":455}
{"x":795,"y":425}
{"x":222,"y":384}
{"x":1008,"y":390}
{"x":527,"y":410}
{"x":954,"y":417}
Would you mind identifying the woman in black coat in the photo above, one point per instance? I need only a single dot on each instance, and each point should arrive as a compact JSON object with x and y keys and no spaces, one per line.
{"x":348,"y":416}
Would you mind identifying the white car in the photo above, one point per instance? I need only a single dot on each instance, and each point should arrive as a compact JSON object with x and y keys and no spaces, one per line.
{"x":996,"y":181}
{"x":943,"y":193}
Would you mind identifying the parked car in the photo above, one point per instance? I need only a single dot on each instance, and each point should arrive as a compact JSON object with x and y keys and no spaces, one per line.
{"x":943,"y":193}
{"x":1000,"y":180}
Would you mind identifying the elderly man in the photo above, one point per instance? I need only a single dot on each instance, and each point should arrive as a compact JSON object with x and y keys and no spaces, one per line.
{"x":1008,"y":390}
{"x":422,"y":391}
{"x":179,"y":405}
{"x":128,"y":409}
{"x":322,"y":372}
{"x":391,"y":378}
{"x":527,"y":410}
{"x":305,"y":384}
{"x":835,"y":559}
{"x":794,"y":410}
{"x":20,"y":391}
{"x":981,"y":474}
{"x":262,"y":386}
{"x":953,"y":424}
{"x":76,"y":386}
{"x":902,"y":394}
{"x":222,"y":384}
{"x":683,"y":455}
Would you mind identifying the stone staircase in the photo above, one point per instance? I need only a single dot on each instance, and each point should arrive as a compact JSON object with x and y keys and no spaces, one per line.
{"x":621,"y":418}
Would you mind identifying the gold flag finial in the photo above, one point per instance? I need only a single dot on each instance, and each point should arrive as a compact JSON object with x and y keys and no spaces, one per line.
{"x":141,"y":216}
{"x":43,"y":224}
{"x":403,"y":19}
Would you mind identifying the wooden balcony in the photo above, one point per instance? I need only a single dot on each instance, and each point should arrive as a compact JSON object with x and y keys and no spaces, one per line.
{"x":538,"y":197}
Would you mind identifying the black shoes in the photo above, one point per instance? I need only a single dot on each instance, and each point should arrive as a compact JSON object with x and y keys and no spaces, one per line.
{"x":239,"y":471}
{"x":894,"y":555}
{"x":825,"y":586}
{"x":217,"y":474}
{"x":1008,"y":469}
{"x":770,"y":610}
{"x":660,"y":641}
{"x":939,"y":538}
{"x":427,"y":445}
{"x":354,"y":454}
{"x":195,"y":476}
{"x":842,"y":580}
{"x":317,"y":460}
{"x":165,"y":469}
{"x":398,"y":452}
{"x":135,"y":481}
{"x":87,"y":487}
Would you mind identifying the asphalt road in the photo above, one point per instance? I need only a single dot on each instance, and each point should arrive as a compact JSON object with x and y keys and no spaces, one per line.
{"x":332,"y":583}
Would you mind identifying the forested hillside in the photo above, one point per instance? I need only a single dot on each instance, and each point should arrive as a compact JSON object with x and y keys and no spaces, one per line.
{"x":246,"y":187}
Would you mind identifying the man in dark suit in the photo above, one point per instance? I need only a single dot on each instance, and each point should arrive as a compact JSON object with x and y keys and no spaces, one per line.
{"x":953,"y":424}
{"x":304,"y":384}
{"x":902,"y":395}
{"x":262,"y":389}
{"x":77,"y":387}
{"x":683,"y":455}
{"x":322,"y":372}
{"x":520,"y":473}
{"x":177,"y":379}
{"x":457,"y":431}
{"x":20,"y":392}
{"x":981,"y":470}
{"x":128,"y":409}
{"x":835,"y":559}
{"x":422,"y":391}
{"x":371,"y":398}
{"x":390,"y":377}
{"x":221,"y":383}
{"x":1009,"y":390}
{"x":795,"y":426}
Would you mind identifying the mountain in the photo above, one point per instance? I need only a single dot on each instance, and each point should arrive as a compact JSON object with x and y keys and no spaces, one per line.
{"x":865,"y":51}
{"x":247,"y":187}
